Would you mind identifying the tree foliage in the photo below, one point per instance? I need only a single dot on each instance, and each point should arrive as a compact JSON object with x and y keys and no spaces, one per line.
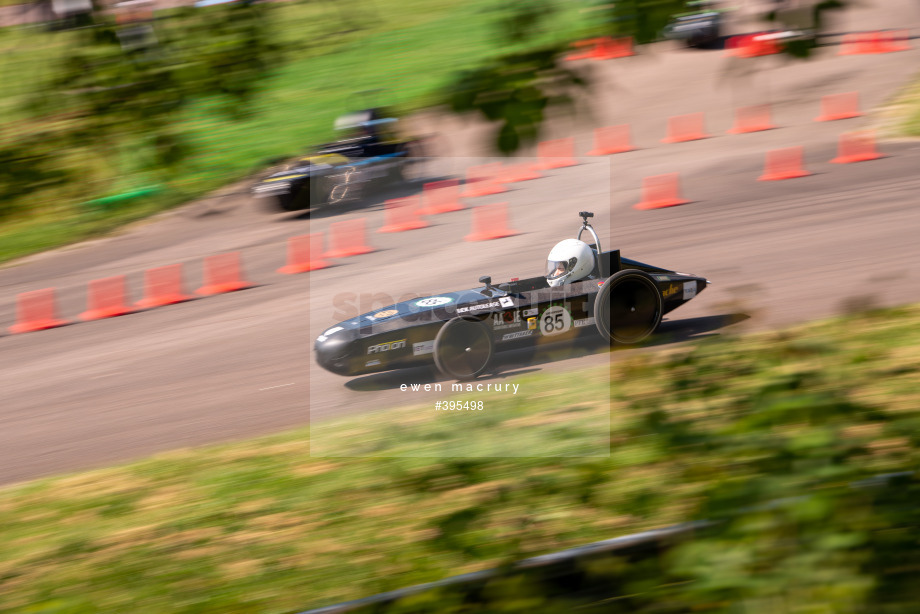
{"x":643,"y":20}
{"x":810,"y":18}
{"x":516,"y":89}
{"x":226,"y":53}
{"x":124,"y":87}
{"x":27,"y":166}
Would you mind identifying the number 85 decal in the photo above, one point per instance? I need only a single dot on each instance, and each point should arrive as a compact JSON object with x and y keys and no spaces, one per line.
{"x":555,"y":321}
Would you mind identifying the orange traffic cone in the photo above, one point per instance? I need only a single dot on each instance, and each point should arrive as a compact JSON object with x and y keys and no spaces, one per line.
{"x":752,"y":119}
{"x":402,"y":214}
{"x":850,"y":44}
{"x":756,"y":46}
{"x":880,"y":42}
{"x":783,"y":164}
{"x":602,"y":47}
{"x":626,"y":47}
{"x":441,"y":197}
{"x":522,"y":171}
{"x":611,"y":140}
{"x":900,"y":40}
{"x":162,"y":286}
{"x":608,"y":48}
{"x":347,"y":238}
{"x":865,"y":43}
{"x":660,"y":191}
{"x":106,"y":299}
{"x":304,"y":253}
{"x":35,"y":310}
{"x":222,"y":273}
{"x":839,"y":106}
{"x":557,"y":153}
{"x":683,"y":128}
{"x":589,"y":53}
{"x":734,"y":44}
{"x":481,"y":181}
{"x":856,"y":147}
{"x":490,"y":222}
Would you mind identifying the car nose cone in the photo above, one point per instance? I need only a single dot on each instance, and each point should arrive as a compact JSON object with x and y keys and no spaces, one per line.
{"x":333,"y":352}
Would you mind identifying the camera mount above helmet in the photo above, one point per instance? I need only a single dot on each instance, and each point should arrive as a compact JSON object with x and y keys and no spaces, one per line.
{"x":597,"y":242}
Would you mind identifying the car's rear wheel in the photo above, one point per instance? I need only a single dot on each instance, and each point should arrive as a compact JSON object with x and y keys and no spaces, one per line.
{"x":463,"y":348}
{"x":628,"y":307}
{"x":414,"y":166}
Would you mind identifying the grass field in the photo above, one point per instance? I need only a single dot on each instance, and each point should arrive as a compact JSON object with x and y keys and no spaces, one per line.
{"x":264,"y":526}
{"x":902,"y":116}
{"x":409,"y":48}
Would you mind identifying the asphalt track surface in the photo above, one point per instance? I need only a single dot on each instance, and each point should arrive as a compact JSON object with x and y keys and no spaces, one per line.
{"x":232,"y":366}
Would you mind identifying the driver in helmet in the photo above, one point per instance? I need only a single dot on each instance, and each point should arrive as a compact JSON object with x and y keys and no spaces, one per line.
{"x":569,"y":261}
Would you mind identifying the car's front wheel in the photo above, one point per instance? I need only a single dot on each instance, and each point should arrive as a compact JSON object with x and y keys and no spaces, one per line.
{"x":463,"y":348}
{"x":628,"y":307}
{"x":283,"y":202}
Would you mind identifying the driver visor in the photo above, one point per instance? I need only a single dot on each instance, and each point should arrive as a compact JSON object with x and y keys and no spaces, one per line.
{"x":557,"y":268}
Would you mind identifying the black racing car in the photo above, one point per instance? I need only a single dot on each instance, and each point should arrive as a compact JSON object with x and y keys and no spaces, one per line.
{"x":699,"y":28}
{"x":341,"y":171}
{"x":461,"y":331}
{"x":309,"y":182}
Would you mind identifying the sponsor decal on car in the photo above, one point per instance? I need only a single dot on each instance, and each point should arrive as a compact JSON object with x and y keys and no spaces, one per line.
{"x":372,"y":363}
{"x":507,"y":319}
{"x":662,"y":277}
{"x":433,"y":301}
{"x":387,"y":313}
{"x":555,"y":321}
{"x":517,"y":335}
{"x":478,"y":307}
{"x":530,"y":312}
{"x":423,"y":347}
{"x":671,"y":291}
{"x":286,"y":177}
{"x":584,"y":322}
{"x":689,"y":290}
{"x":506,"y":301}
{"x":386,"y":347}
{"x":532,"y":323}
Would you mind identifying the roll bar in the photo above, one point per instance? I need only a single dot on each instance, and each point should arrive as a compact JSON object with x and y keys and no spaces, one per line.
{"x":597,"y":242}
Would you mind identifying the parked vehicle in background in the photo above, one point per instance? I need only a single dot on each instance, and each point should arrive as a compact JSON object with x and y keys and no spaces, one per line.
{"x":370,"y":153}
{"x":698,"y":28}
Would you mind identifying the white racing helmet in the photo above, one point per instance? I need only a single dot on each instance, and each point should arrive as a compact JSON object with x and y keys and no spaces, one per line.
{"x":569,"y":261}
